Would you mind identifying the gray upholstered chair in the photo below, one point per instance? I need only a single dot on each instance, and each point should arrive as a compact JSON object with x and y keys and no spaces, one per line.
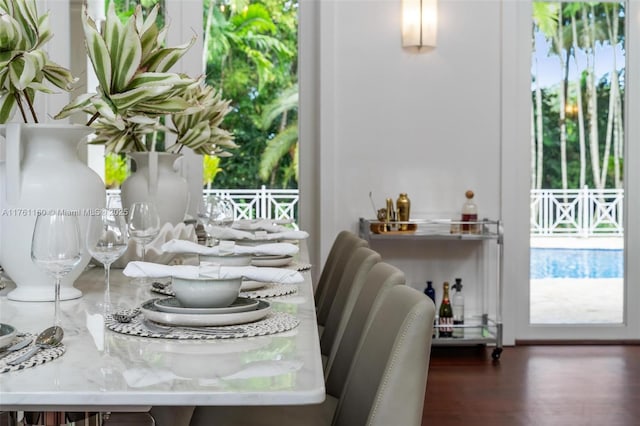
{"x":360,"y":263}
{"x":343,"y":246}
{"x":386,"y":380}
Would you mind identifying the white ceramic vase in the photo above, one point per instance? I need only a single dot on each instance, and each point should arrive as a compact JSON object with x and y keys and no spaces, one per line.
{"x":157,"y":180}
{"x":42,"y":172}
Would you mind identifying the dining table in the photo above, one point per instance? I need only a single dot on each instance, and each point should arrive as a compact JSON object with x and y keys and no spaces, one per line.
{"x":103,"y":370}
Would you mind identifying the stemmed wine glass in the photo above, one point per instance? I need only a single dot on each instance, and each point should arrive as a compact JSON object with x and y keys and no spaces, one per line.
{"x":56,"y":247}
{"x":144,"y":223}
{"x":107,"y":240}
{"x":220,"y":211}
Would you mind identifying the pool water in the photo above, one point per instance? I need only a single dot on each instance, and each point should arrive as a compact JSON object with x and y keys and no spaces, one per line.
{"x":576,"y":263}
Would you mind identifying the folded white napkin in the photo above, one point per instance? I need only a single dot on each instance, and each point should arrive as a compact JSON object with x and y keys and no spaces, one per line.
{"x":205,"y":269}
{"x":222,"y":233}
{"x":260,"y":225}
{"x":183,"y":246}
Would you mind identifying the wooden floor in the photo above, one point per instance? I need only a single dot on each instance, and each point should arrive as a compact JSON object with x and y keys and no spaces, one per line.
{"x":534,"y":385}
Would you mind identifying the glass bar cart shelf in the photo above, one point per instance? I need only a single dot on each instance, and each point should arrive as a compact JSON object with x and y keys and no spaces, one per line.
{"x":482,"y":329}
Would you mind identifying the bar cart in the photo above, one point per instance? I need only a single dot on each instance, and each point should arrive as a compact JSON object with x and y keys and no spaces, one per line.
{"x":484,"y":327}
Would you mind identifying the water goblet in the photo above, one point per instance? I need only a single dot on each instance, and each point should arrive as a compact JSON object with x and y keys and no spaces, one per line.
{"x":107,"y":240}
{"x":56,"y":247}
{"x":144,"y":224}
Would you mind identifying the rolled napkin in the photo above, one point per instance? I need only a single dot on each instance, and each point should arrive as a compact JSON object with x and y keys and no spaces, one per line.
{"x":261,"y":225}
{"x":211,"y":270}
{"x":183,"y":246}
{"x":222,"y":233}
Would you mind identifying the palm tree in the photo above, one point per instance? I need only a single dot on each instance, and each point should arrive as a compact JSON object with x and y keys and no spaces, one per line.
{"x":285,"y":142}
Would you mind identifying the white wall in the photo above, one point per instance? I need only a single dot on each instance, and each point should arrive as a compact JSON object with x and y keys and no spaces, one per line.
{"x":394,"y":120}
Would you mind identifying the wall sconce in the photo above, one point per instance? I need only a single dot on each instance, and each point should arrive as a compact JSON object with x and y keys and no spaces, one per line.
{"x":419,"y":23}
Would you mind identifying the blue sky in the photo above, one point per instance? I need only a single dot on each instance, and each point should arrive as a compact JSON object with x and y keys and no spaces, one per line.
{"x":549,"y":66}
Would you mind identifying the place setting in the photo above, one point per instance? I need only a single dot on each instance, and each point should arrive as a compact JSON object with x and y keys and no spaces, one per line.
{"x":206,"y":304}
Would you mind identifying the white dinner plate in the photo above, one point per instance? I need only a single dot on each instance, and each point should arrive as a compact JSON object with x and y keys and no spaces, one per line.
{"x":250,"y":285}
{"x":151,"y":312}
{"x":272,"y":261}
{"x":7,"y":333}
{"x":171,"y":304}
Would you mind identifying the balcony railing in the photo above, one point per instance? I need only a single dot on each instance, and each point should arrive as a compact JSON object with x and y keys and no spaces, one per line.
{"x":261,"y":203}
{"x":577,"y":212}
{"x":573,"y":212}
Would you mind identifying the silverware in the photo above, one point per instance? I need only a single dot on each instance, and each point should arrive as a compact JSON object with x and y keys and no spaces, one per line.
{"x":49,"y":338}
{"x":166,"y":329}
{"x":15,"y":347}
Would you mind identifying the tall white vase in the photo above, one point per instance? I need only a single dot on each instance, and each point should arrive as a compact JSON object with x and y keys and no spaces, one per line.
{"x":156,"y":180}
{"x":41,"y":173}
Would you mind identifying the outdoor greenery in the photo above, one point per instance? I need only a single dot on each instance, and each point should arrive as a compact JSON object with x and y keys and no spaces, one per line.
{"x":577,"y":125}
{"x":251,"y":56}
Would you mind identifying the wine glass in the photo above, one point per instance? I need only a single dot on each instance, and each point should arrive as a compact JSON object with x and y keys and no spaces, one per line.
{"x":144,"y":224}
{"x":220,"y":211}
{"x":107,"y":240}
{"x":56,"y":247}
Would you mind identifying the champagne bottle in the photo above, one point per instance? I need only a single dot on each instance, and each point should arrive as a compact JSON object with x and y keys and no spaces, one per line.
{"x":445,"y":316}
{"x":458,"y":309}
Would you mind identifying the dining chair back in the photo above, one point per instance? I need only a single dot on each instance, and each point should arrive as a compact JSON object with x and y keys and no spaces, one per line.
{"x":387,"y":380}
{"x":380,"y":278}
{"x":344,"y":245}
{"x":354,"y":277}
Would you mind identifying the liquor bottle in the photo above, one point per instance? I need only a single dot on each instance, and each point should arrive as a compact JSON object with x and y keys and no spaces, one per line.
{"x":403,"y":208}
{"x":431,"y":292}
{"x":458,"y":309}
{"x":445,"y":316}
{"x":469,"y":214}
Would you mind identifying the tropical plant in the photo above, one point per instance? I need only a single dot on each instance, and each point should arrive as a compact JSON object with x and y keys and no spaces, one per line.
{"x":136,"y":89}
{"x":24,"y":66}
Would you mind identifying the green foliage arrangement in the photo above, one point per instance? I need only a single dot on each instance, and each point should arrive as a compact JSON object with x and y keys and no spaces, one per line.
{"x":25,"y":67}
{"x":136,"y":89}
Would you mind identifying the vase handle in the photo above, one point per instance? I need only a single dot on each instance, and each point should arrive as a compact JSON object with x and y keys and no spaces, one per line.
{"x":13,"y":146}
{"x":153,"y":172}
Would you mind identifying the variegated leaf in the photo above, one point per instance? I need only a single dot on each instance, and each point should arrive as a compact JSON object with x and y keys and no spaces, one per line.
{"x":130,"y":98}
{"x":158,"y":78}
{"x":59,"y":76}
{"x":170,"y":105}
{"x":164,"y":59}
{"x":127,"y":62}
{"x":78,"y":104}
{"x":21,"y":73}
{"x":7,"y":107}
{"x":97,"y":51}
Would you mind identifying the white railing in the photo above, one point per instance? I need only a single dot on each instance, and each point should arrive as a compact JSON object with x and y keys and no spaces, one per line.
{"x":577,"y":212}
{"x":574,"y":212}
{"x":261,"y":203}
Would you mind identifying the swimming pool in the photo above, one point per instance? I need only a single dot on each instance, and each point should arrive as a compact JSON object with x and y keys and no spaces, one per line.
{"x":576,"y":263}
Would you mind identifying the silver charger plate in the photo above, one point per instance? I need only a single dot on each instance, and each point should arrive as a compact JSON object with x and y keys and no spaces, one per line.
{"x":151,"y":312}
{"x":7,"y":333}
{"x":271,"y":261}
{"x":171,"y":304}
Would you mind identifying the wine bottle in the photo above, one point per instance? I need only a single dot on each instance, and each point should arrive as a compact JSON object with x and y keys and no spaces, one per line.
{"x":431,"y":292}
{"x":469,"y":214}
{"x":458,"y":309}
{"x":445,"y":316}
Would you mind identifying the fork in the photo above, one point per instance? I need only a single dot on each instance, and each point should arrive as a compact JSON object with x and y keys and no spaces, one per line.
{"x":165,"y":329}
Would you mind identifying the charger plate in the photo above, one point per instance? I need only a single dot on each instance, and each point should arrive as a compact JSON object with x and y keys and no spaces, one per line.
{"x":171,"y":304}
{"x":151,"y":312}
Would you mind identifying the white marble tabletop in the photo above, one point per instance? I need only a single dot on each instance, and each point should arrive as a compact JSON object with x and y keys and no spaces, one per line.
{"x":106,"y":371}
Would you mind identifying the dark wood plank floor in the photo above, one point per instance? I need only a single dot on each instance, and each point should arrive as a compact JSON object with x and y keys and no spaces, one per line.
{"x":534,"y":385}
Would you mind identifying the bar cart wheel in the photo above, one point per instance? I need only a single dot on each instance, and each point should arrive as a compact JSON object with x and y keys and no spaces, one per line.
{"x":496,"y":353}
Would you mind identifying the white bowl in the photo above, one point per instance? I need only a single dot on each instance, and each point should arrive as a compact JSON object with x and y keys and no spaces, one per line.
{"x":228,"y":259}
{"x":206,"y":292}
